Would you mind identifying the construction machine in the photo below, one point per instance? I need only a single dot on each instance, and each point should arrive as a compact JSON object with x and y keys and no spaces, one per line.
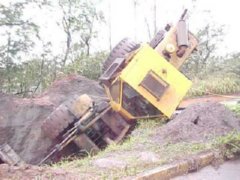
{"x":140,"y":80}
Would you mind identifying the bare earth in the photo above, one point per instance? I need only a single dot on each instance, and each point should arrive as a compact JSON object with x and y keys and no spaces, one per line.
{"x":21,"y":119}
{"x":198,"y":123}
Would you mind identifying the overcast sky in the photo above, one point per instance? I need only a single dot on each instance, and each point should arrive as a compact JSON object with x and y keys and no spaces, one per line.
{"x":222,"y":12}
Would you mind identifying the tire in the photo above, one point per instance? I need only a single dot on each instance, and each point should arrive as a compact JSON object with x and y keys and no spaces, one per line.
{"x":124,"y":47}
{"x":57,"y":122}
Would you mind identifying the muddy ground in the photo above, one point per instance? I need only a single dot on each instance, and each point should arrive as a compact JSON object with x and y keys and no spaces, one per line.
{"x":153,"y":144}
{"x":34,"y":172}
{"x":198,"y":123}
{"x":21,"y":119}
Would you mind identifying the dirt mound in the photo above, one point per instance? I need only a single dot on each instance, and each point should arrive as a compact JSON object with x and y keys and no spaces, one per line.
{"x":21,"y":119}
{"x":73,"y":85}
{"x":198,"y":122}
{"x":33,"y":172}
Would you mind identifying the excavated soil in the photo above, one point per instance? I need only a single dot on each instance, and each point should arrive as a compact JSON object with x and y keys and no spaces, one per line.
{"x":21,"y":119}
{"x":198,"y":123}
{"x":33,"y":172}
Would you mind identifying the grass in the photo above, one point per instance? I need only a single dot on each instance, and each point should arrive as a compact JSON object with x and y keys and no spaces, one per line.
{"x":167,"y":153}
{"x":216,"y":85}
{"x":143,"y":131}
{"x":235,"y":109}
{"x":129,"y":150}
{"x":141,"y":141}
{"x":229,"y":144}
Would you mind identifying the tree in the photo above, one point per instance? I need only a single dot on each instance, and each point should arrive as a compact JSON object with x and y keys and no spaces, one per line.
{"x":17,"y":36}
{"x":135,"y":3}
{"x":231,"y":65}
{"x":88,"y":66}
{"x":110,"y":24}
{"x":210,"y":37}
{"x":78,"y":20}
{"x":150,"y":19}
{"x":155,"y":16}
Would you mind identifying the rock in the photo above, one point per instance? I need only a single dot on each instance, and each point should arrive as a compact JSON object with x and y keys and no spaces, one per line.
{"x":110,"y":163}
{"x":148,"y":157}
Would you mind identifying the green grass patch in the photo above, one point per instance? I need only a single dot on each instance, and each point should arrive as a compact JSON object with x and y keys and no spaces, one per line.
{"x":235,"y":108}
{"x":141,"y":141}
{"x":167,"y":153}
{"x":229,"y":144}
{"x":216,"y":85}
{"x":144,"y":129}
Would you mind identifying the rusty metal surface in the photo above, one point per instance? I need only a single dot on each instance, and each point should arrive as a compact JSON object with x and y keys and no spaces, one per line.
{"x":117,"y":124}
{"x":157,"y":39}
{"x":65,"y":114}
{"x":57,"y":121}
{"x":170,"y":38}
{"x":92,"y":132}
{"x":79,"y":105}
{"x":114,"y":121}
{"x":9,"y":156}
{"x":84,"y":142}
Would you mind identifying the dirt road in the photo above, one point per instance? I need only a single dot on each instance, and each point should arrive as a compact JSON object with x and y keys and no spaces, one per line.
{"x":209,"y":98}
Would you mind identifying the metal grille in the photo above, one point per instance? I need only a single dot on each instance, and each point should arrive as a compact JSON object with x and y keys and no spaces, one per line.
{"x":154,"y":84}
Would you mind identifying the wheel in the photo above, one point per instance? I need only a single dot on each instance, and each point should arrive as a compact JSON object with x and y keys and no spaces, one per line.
{"x":124,"y":47}
{"x":57,"y":121}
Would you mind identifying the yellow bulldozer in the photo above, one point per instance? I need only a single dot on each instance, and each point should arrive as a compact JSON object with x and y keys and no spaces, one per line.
{"x":140,"y":80}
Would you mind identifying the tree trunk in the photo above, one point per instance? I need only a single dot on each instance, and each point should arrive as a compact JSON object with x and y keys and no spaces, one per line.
{"x":135,"y":19}
{"x":148,"y":29}
{"x":110,"y":24}
{"x":68,"y":42}
{"x":8,"y":68}
{"x":155,"y":16}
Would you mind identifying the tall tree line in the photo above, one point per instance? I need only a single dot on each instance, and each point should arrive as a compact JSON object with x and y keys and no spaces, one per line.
{"x":24,"y":72}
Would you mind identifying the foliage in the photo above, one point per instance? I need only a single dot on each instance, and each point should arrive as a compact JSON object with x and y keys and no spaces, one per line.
{"x":209,"y":38}
{"x":129,"y":151}
{"x":231,"y":65}
{"x":31,"y":77}
{"x":25,"y":73}
{"x":235,"y":108}
{"x":88,"y":66}
{"x":78,"y":20}
{"x":36,"y":75}
{"x":17,"y":36}
{"x":216,"y":84}
{"x":230,"y":144}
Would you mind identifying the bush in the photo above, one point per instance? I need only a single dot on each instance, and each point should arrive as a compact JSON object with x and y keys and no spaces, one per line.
{"x":215,"y":84}
{"x":88,"y":66}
